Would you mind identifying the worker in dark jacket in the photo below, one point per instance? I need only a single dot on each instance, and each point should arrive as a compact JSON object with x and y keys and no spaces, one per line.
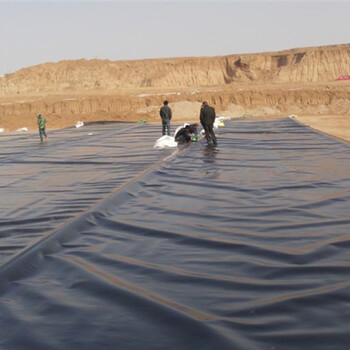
{"x":183,"y":135}
{"x":207,"y":118}
{"x":166,"y":114}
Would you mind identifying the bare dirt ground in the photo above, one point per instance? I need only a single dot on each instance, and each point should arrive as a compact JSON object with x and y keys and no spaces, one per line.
{"x":335,"y":125}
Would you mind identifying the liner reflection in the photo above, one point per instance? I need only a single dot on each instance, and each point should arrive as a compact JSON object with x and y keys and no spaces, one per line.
{"x":210,"y":153}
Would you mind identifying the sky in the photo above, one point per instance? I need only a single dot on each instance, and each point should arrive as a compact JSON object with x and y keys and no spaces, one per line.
{"x":33,"y":32}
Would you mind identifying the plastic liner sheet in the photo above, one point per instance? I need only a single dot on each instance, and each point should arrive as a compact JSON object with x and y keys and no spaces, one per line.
{"x":241,"y":246}
{"x":43,"y":185}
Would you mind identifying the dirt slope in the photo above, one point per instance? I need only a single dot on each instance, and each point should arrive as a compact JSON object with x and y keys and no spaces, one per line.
{"x":297,"y":81}
{"x":321,"y":64}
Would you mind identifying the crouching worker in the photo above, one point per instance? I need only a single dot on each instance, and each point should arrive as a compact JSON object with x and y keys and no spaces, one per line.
{"x":183,"y":135}
{"x":42,"y":127}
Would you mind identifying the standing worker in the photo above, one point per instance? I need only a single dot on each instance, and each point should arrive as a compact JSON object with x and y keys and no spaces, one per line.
{"x":166,"y":114}
{"x":207,"y":118}
{"x":42,"y":126}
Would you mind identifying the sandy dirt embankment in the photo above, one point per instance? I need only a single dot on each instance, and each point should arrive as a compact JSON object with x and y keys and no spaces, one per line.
{"x":334,"y":125}
{"x":299,"y":82}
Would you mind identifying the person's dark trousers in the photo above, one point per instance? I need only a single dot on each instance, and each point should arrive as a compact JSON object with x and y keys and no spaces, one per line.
{"x":166,"y":127}
{"x":182,"y":139}
{"x":209,"y":134}
{"x":42,"y":133}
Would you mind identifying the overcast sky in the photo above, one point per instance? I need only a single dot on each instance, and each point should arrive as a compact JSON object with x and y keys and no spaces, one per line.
{"x":49,"y":31}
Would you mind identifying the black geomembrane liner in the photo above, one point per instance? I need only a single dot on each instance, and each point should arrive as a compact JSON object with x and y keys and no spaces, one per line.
{"x":108,"y":243}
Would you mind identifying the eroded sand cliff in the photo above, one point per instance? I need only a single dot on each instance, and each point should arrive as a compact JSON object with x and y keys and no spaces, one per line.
{"x":297,"y":81}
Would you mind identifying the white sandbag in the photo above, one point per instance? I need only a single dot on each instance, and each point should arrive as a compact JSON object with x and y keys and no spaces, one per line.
{"x":165,"y":142}
{"x":218,"y":123}
{"x":79,"y":124}
{"x":22,"y":129}
{"x":2,"y":129}
{"x":222,"y":118}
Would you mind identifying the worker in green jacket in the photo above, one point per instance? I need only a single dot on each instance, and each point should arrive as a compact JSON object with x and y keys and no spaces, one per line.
{"x":42,"y":126}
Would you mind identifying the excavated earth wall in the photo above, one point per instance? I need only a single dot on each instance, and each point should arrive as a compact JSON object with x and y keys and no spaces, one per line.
{"x":299,"y":81}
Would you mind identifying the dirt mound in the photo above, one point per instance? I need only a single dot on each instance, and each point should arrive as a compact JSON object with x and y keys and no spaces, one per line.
{"x":321,"y":64}
{"x":298,"y":81}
